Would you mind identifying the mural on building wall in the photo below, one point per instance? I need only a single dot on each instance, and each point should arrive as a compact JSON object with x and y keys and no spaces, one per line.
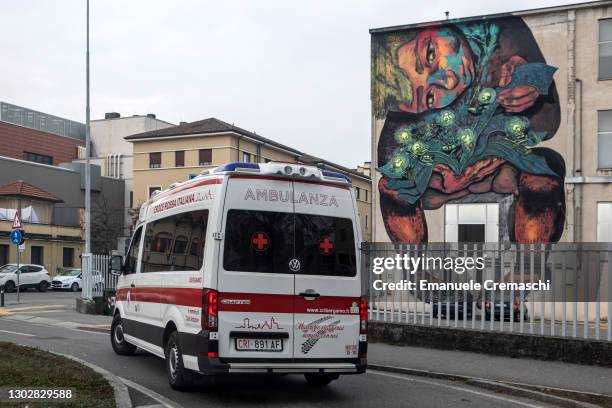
{"x":465,"y":106}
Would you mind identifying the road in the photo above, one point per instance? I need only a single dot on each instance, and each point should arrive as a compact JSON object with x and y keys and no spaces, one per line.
{"x":372,"y":389}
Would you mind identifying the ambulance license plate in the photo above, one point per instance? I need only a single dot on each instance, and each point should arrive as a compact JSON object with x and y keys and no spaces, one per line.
{"x":259,"y":344}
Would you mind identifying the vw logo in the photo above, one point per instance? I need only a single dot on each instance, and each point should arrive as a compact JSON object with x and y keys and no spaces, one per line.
{"x":295,"y":265}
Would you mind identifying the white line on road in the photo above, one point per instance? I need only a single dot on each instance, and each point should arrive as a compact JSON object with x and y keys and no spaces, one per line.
{"x":483,"y":394}
{"x":151,"y":394}
{"x":18,"y":333}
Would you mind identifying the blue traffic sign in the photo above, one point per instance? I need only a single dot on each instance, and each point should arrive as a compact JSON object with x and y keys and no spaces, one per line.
{"x":17,"y":237}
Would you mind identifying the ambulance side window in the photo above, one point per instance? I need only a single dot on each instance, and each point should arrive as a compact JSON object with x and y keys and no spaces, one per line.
{"x":175,"y":243}
{"x":131,"y":259}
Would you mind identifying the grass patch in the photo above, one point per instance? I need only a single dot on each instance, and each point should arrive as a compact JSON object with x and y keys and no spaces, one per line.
{"x":22,"y":366}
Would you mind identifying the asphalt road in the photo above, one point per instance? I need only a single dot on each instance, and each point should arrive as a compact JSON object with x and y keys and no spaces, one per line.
{"x":374,"y":389}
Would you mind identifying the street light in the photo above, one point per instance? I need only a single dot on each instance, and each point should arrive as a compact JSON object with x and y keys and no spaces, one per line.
{"x":86,"y":257}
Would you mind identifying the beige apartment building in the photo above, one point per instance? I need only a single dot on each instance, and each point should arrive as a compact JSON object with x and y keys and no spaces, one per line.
{"x":174,"y":154}
{"x":577,"y":116}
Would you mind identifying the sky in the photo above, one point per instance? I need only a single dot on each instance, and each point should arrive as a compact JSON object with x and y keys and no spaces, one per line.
{"x":294,"y":72}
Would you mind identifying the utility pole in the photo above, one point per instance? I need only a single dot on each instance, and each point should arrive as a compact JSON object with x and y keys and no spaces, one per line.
{"x":86,"y":257}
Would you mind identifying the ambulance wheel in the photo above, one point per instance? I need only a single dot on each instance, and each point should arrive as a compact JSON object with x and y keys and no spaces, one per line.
{"x":120,"y":345}
{"x":179,"y":377}
{"x":320,"y":380}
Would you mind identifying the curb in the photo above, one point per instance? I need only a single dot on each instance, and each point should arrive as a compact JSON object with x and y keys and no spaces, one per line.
{"x":122,"y":396}
{"x":538,"y":393}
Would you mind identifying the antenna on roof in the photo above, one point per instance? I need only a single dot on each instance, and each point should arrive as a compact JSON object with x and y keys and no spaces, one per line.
{"x":447,"y":14}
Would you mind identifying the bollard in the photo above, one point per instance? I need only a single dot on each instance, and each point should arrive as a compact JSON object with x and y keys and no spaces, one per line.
{"x":1,"y":295}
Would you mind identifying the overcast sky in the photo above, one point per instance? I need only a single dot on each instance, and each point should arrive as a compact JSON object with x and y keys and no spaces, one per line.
{"x":295,"y":72}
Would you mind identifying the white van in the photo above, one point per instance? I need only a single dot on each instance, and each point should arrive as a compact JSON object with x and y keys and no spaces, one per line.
{"x":247,"y":268}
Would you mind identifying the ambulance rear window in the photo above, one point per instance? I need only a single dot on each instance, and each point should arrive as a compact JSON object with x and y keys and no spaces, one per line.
{"x":258,"y":241}
{"x":325,"y":245}
{"x":265,"y":241}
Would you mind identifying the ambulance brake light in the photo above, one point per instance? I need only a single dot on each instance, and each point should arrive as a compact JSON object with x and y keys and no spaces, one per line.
{"x":210,"y":309}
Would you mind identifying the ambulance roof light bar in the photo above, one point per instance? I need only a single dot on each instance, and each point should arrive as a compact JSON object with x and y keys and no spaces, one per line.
{"x":285,"y":169}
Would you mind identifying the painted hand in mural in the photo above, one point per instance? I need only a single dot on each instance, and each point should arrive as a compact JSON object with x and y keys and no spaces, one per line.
{"x":518,"y":98}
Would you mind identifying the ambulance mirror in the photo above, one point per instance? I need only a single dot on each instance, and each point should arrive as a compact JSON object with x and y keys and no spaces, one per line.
{"x":116,"y":265}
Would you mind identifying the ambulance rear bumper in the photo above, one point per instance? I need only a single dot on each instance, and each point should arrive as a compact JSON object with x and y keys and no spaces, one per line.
{"x":219,"y":366}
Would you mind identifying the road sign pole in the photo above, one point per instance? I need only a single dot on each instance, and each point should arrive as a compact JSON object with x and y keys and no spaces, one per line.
{"x":18,"y":271}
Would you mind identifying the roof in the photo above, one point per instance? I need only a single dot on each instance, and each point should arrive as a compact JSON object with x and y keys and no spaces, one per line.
{"x":541,"y":10}
{"x":22,"y":189}
{"x":317,"y":161}
{"x":214,"y":125}
{"x":207,"y":126}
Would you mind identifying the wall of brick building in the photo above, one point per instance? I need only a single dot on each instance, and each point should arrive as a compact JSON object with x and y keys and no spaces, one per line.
{"x":14,"y":140}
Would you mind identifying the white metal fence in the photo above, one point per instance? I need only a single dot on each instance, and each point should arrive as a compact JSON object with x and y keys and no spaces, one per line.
{"x":100,"y":278}
{"x":578,"y":303}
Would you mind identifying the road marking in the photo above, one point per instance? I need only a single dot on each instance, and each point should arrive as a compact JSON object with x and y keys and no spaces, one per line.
{"x":18,"y":333}
{"x":151,"y":394}
{"x":441,"y":384}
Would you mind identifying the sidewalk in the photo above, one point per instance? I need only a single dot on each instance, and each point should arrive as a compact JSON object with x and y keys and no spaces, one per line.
{"x":517,"y":370}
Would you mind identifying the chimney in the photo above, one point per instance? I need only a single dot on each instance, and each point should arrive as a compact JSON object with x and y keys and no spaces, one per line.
{"x":151,"y":115}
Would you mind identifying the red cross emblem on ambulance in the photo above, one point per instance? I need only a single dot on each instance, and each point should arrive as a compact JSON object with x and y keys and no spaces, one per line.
{"x":326,"y":246}
{"x":260,"y":241}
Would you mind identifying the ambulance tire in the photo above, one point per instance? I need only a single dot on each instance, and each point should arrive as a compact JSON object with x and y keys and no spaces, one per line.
{"x":120,"y":345}
{"x":179,"y":377}
{"x":320,"y":380}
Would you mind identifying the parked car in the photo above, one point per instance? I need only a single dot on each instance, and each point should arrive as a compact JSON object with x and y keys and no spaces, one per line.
{"x":30,"y":276}
{"x":71,"y":279}
{"x":450,"y":313}
{"x":497,"y":308}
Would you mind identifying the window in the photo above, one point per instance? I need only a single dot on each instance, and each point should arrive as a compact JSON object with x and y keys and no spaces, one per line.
{"x":604,"y":222}
{"x":258,"y":241}
{"x":246,"y":157}
{"x":325,"y":245}
{"x":131,"y":259}
{"x":366,"y":195}
{"x":471,"y":233}
{"x":205,"y":157}
{"x":68,"y":257}
{"x":263,"y":241}
{"x":153,"y":189}
{"x":131,"y":199}
{"x":605,"y":49}
{"x":167,"y":240}
{"x":358,"y":190}
{"x":155,"y":160}
{"x":36,"y":255}
{"x":4,"y":254}
{"x":37,"y":158}
{"x":604,"y":139}
{"x":179,"y":158}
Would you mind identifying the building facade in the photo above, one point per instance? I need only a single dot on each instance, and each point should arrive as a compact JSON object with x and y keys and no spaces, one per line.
{"x":52,"y":201}
{"x":115,"y":156}
{"x":174,"y":154}
{"x":494,"y":128}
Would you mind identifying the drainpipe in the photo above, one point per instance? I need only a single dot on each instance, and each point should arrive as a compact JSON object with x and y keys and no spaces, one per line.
{"x":571,"y":123}
{"x":578,"y":165}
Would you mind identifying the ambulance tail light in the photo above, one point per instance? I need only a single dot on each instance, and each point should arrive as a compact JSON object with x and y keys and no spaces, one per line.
{"x":363,"y":315}
{"x":210,"y":310}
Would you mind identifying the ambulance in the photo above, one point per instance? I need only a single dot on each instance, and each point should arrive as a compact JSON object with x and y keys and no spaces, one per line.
{"x":248,"y":268}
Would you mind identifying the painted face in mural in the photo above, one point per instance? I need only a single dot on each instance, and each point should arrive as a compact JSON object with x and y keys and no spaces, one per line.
{"x":439,"y":66}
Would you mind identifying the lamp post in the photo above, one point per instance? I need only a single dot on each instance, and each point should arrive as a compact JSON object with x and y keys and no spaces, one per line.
{"x":86,"y":257}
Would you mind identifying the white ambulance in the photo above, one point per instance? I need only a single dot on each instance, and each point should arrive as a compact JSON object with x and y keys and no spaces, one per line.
{"x":247,"y":268}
